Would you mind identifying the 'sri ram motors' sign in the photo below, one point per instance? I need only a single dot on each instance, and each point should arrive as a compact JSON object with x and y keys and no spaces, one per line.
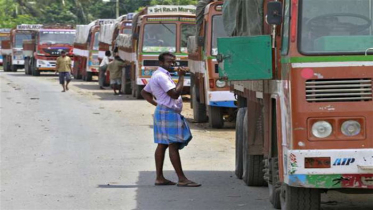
{"x":174,"y":9}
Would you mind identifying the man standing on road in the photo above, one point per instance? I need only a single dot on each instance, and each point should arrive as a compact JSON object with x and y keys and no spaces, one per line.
{"x":170,"y":128}
{"x":115,"y":69}
{"x":63,"y":66}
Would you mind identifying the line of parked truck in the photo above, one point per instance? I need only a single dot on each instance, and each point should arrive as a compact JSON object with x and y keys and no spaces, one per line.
{"x":296,"y":74}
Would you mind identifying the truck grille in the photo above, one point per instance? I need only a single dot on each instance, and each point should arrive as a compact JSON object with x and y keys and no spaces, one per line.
{"x":339,"y":90}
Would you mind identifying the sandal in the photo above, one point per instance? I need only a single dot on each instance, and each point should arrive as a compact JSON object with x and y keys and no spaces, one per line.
{"x":168,"y":182}
{"x":188,"y":184}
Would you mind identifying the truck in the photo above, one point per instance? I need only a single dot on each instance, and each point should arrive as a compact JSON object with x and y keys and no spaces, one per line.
{"x":156,"y":29}
{"x":86,"y":49}
{"x":4,"y":36}
{"x":12,"y":50}
{"x":211,"y":98}
{"x":107,"y":42}
{"x":302,"y":71}
{"x":41,"y":52}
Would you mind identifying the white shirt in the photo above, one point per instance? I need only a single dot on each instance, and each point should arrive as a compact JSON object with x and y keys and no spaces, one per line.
{"x":160,"y":83}
{"x":105,"y":61}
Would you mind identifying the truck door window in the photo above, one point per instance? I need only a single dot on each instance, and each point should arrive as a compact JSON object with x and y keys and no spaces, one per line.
{"x":285,"y":29}
{"x":187,"y":30}
{"x":335,"y":26}
{"x":217,"y":32}
{"x":159,"y":38}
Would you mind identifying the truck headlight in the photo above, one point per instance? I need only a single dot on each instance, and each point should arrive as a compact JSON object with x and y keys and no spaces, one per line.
{"x":221,"y":83}
{"x":41,"y":63}
{"x":351,"y":128}
{"x":322,"y":129}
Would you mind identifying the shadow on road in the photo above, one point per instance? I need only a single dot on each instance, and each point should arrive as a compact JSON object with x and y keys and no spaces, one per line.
{"x":220,"y":190}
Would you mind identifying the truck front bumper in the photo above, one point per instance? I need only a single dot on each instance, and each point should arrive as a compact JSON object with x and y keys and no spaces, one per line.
{"x":339,"y":168}
{"x":46,"y":65}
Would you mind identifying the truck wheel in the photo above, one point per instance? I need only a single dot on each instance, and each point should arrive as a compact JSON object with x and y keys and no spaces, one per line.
{"x":239,"y":142}
{"x":14,"y":68}
{"x":199,"y":109}
{"x":215,"y":117}
{"x":26,"y":65}
{"x":253,"y":174}
{"x":299,"y":198}
{"x":89,"y":76}
{"x":35,"y":70}
{"x":274,"y":184}
{"x":5,"y":64}
{"x":138,"y":91}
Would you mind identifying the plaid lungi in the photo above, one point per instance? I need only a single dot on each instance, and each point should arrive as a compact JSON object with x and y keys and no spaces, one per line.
{"x":170,"y":127}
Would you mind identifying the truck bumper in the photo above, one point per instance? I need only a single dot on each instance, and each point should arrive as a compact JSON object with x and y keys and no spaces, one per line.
{"x":46,"y":65}
{"x":221,"y":99}
{"x":342,"y":168}
{"x":18,"y":62}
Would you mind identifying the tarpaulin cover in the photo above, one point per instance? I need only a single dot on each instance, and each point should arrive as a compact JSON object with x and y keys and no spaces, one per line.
{"x":82,"y":32}
{"x":124,"y":40}
{"x":243,"y":17}
{"x":200,"y":13}
{"x":192,"y":44}
{"x":106,"y":33}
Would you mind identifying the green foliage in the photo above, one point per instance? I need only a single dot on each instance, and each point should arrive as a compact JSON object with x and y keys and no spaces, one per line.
{"x":15,"y":12}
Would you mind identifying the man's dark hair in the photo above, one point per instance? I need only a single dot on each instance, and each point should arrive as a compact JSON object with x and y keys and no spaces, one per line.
{"x":164,"y":54}
{"x":108,"y":53}
{"x":63,"y":52}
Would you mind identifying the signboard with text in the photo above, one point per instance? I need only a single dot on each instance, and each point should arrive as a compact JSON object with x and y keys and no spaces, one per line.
{"x":172,"y":9}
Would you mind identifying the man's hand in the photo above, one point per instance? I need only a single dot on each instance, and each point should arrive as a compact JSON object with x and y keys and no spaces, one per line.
{"x":181,"y":71}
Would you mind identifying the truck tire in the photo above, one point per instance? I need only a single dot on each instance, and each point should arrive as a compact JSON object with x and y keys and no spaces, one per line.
{"x":199,"y":109}
{"x":274,"y":184}
{"x":138,"y":92}
{"x":5,"y":64}
{"x":13,"y":68}
{"x":26,"y":66}
{"x":126,"y":82}
{"x":299,"y":198}
{"x":34,"y":69}
{"x":253,"y":174}
{"x":89,"y":76}
{"x":239,"y":142}
{"x":215,"y":117}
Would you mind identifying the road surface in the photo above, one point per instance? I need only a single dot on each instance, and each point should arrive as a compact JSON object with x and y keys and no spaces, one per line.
{"x":89,"y":149}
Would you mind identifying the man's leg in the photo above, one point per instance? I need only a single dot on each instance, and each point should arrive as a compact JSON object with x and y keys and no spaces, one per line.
{"x":159,"y":159}
{"x":176,"y":162}
{"x":68,"y":79}
{"x":62,"y":80}
{"x":101,"y":79}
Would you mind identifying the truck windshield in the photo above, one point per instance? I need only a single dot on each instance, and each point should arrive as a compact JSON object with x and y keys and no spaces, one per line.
{"x":159,"y":38}
{"x":20,"y":38}
{"x":56,"y":37}
{"x":217,"y":32}
{"x":187,"y":30}
{"x":335,"y":26}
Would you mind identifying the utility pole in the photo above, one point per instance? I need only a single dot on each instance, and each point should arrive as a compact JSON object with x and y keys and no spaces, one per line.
{"x":116,"y":6}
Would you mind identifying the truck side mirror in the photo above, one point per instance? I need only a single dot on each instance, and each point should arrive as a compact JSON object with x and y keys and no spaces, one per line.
{"x":135,"y":36}
{"x":274,"y":13}
{"x":201,"y":41}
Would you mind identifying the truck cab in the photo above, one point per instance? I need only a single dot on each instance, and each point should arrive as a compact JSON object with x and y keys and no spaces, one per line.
{"x":4,"y":35}
{"x":210,"y":95}
{"x":157,"y":29}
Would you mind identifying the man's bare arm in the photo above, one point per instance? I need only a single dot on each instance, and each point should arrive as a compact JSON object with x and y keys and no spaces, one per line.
{"x":176,"y":92}
{"x":149,"y":97}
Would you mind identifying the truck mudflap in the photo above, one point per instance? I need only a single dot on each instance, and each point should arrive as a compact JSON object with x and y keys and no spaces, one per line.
{"x":339,"y":168}
{"x":145,"y":81}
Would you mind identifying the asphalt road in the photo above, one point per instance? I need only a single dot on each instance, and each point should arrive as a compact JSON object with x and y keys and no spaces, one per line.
{"x":88,"y":149}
